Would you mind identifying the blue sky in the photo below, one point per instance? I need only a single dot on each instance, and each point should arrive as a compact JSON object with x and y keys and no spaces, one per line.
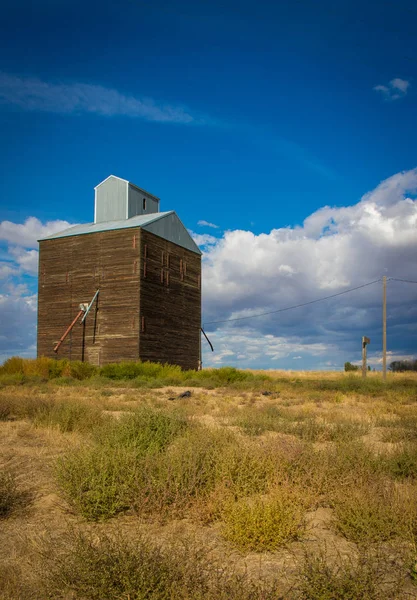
{"x":250,"y":116}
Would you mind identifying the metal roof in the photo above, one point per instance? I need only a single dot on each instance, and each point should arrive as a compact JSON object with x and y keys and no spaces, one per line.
{"x":172,"y":229}
{"x":129,"y":182}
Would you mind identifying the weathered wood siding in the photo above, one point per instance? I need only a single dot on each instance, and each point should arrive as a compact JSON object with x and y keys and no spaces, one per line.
{"x":70,"y":271}
{"x":170,"y":303}
{"x":149,"y":306}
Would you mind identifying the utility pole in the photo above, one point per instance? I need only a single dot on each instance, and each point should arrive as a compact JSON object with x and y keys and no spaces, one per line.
{"x":365,"y":342}
{"x":384,"y":328}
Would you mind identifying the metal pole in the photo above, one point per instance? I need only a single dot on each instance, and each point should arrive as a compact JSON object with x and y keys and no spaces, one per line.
{"x":200,"y":365}
{"x":89,"y":306}
{"x":384,"y":327}
{"x":363,"y":358}
{"x":57,"y":345}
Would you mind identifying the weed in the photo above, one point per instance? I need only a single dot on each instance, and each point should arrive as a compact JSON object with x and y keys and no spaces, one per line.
{"x":115,"y":569}
{"x":98,"y":483}
{"x":67,"y":416}
{"x":6,"y":407}
{"x":323,"y":578}
{"x":263,"y":523}
{"x":145,"y":430}
{"x":9,"y":495}
{"x":255,"y":421}
{"x":8,"y":379}
{"x":329,"y":471}
{"x":402,"y":463}
{"x":372,"y":513}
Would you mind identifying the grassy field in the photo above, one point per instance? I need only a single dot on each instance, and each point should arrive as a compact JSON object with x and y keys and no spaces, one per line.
{"x":258,"y":485}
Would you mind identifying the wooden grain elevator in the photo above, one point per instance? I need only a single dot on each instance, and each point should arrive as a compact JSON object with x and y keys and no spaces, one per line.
{"x":130,"y":283}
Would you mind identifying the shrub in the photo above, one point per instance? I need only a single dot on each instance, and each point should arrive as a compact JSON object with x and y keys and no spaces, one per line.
{"x":11,"y":379}
{"x":98,"y":483}
{"x":372,"y":513}
{"x":42,"y":367}
{"x":188,"y":470}
{"x":323,"y":578}
{"x":256,"y":421}
{"x":66,"y":416}
{"x":146,"y":370}
{"x":6,"y":408}
{"x":245,"y":470}
{"x":81,"y":370}
{"x":225,"y":376}
{"x":263,"y":523}
{"x":12,"y":366}
{"x":9,"y":494}
{"x":402,"y":463}
{"x":328,"y":471}
{"x":145,"y":430}
{"x":350,"y":367}
{"x":116,"y":569}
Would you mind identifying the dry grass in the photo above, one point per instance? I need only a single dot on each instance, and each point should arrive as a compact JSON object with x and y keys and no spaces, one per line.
{"x":231,"y":470}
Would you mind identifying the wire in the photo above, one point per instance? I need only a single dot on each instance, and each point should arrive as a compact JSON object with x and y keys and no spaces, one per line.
{"x":272,"y":312}
{"x":405,"y":280}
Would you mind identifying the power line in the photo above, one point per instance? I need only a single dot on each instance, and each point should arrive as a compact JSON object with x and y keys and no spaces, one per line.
{"x":404,"y":280}
{"x":272,"y":312}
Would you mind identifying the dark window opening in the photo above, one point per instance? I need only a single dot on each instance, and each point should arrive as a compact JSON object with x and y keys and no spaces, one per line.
{"x":144,"y":204}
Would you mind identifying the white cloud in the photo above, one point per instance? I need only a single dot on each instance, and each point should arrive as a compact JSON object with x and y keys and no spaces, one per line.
{"x":28,"y":233}
{"x":245,"y":274}
{"x":7,"y":271}
{"x":334,"y":249}
{"x":18,"y":300}
{"x":203,"y":239}
{"x":396,"y":88}
{"x":27,"y":260}
{"x":207,"y":224}
{"x":400,"y":84}
{"x":18,"y":322}
{"x":246,"y":347}
{"x":31,"y":93}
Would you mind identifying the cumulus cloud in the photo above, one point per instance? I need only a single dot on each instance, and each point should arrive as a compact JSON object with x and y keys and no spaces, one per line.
{"x":335,"y":249}
{"x":28,"y":233}
{"x":207,"y":224}
{"x":244,"y":274}
{"x":18,"y":322}
{"x":18,"y":248}
{"x":396,"y":89}
{"x":203,"y":239}
{"x":31,"y":93}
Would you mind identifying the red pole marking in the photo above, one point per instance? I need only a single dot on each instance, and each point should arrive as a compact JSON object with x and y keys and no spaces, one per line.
{"x":68,"y":330}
